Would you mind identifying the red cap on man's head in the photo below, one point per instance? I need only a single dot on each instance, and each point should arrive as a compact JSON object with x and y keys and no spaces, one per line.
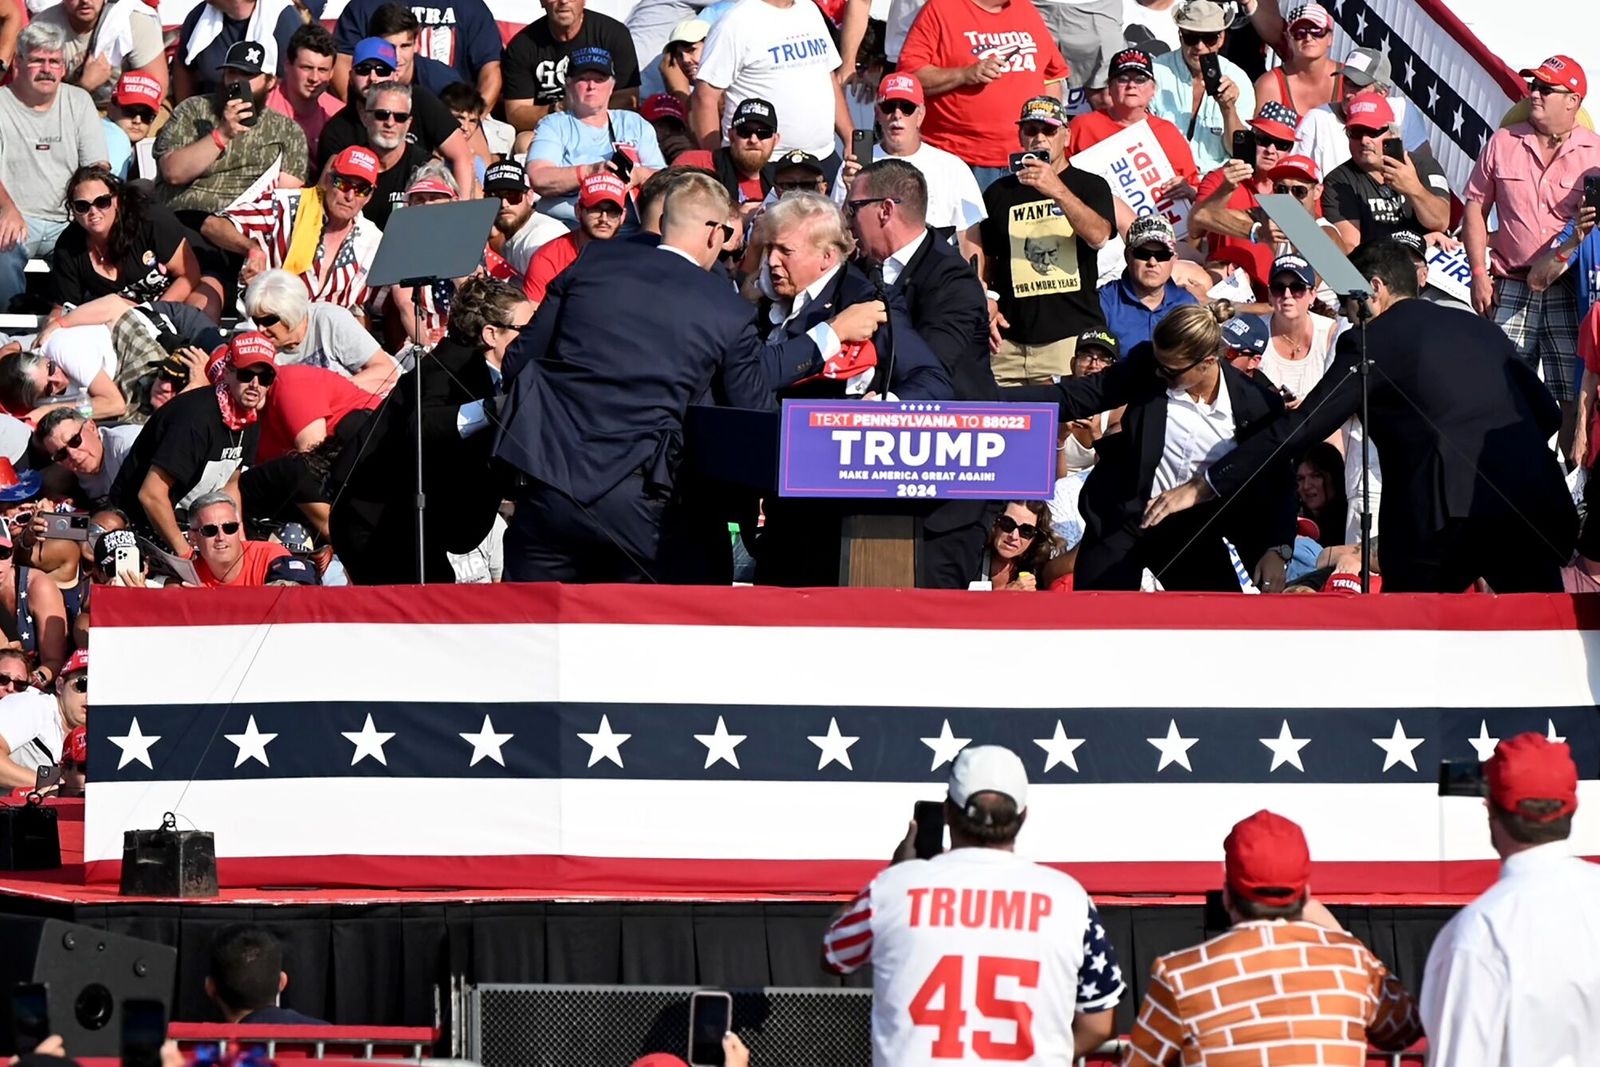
{"x":356,"y":162}
{"x":1303,"y":167}
{"x":252,"y":348}
{"x":900,"y":87}
{"x":1562,"y":72}
{"x":79,"y":661}
{"x":1265,"y":860}
{"x":602,"y":188}
{"x":135,"y":89}
{"x":1532,"y":767}
{"x":659,"y":1059}
{"x":1370,"y":110}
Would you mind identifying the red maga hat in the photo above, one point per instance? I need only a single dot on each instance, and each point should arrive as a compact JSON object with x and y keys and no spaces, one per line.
{"x":1532,"y":767}
{"x":1265,"y":860}
{"x":1562,"y":72}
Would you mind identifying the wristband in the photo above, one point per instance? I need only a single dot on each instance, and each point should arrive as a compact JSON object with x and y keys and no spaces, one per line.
{"x":1254,"y":227}
{"x":991,"y":295}
{"x":217,"y":139}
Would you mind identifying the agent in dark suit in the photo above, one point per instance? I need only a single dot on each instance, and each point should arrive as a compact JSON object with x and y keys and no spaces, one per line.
{"x":597,"y":388}
{"x":887,"y":207}
{"x":820,"y":307}
{"x":374,"y":519}
{"x":1186,"y":407}
{"x":1470,"y":489}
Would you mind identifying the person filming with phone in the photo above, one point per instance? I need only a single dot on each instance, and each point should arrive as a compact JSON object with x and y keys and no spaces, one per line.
{"x":1013,"y":951}
{"x":1058,"y":217}
{"x":1382,"y":189}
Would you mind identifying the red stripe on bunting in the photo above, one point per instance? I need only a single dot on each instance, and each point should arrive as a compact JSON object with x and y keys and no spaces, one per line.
{"x":666,"y":879}
{"x":1492,"y":64}
{"x":548,"y":603}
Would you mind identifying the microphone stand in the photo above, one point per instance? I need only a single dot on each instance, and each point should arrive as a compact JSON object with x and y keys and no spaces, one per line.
{"x":1360,"y":310}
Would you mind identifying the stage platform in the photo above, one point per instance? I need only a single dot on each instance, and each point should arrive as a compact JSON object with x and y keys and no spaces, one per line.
{"x":376,"y":957}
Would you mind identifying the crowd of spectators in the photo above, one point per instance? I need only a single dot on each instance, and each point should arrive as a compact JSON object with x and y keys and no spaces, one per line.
{"x":201,"y":366}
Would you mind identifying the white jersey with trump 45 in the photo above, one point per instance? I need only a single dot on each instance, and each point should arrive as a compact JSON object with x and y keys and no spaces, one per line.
{"x":978,"y":956}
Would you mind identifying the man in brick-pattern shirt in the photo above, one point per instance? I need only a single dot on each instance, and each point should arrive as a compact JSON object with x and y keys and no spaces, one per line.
{"x":1285,"y":985}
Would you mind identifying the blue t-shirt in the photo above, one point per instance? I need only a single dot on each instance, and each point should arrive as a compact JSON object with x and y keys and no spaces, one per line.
{"x":1587,"y":265}
{"x":1127,"y":317}
{"x":119,"y":150}
{"x":207,"y":76}
{"x":563,"y":140}
{"x":435,"y":76}
{"x":458,"y":33}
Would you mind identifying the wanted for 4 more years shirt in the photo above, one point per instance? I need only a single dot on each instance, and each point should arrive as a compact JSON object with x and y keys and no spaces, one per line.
{"x":1041,"y":267}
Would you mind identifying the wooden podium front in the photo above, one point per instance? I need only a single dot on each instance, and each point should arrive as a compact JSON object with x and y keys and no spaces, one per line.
{"x":878,"y":550}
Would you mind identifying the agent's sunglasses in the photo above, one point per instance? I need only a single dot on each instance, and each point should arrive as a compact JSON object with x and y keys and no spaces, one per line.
{"x":99,"y":203}
{"x":853,"y":206}
{"x":1172,"y":374}
{"x":1006,"y":524}
{"x":211,"y":529}
{"x":264,"y":375}
{"x":75,"y":441}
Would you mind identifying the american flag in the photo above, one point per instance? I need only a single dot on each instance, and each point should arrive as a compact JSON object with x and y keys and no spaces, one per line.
{"x":1459,"y":85}
{"x":701,"y":742}
{"x":270,"y":219}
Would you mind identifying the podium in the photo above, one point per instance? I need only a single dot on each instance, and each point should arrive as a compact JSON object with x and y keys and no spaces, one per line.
{"x":731,"y":454}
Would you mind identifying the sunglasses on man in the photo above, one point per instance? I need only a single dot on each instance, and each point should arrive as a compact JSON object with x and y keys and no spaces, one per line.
{"x":1146,"y":253}
{"x":1286,"y":189}
{"x":750,"y":131}
{"x":1309,"y":33}
{"x":264,"y":375}
{"x":1546,"y":89}
{"x":368,"y":69}
{"x":1006,"y":524}
{"x":1268,"y":141}
{"x":1192,"y":40}
{"x":897,"y":107}
{"x":351,"y":185}
{"x":62,"y":454}
{"x":383,"y":114}
{"x":145,"y":115}
{"x":211,"y":529}
{"x":16,"y":685}
{"x":851,"y":207}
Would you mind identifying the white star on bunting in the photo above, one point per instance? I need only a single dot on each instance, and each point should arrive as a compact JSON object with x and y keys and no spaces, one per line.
{"x":1285,"y":748}
{"x":486,"y":743}
{"x":135,"y":746}
{"x":1059,"y":748}
{"x":835,"y":747}
{"x":1550,"y":732}
{"x":1398,"y":748}
{"x":1173,"y":748}
{"x":721,"y":745}
{"x":604,"y":744}
{"x":946,"y":746}
{"x":369,"y":741}
{"x":252,"y":744}
{"x":1483,"y":744}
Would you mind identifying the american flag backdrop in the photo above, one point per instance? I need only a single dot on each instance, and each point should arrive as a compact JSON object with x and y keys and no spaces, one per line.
{"x":269,"y":221}
{"x":1457,"y":82}
{"x":681,"y":742}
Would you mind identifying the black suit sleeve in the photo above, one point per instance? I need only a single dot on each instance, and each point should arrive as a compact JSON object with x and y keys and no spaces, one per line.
{"x":917,"y":372}
{"x":741,"y":381}
{"x":954,"y":321}
{"x":1086,"y":395}
{"x":1546,"y":412}
{"x":536,"y":339}
{"x":1334,"y":399}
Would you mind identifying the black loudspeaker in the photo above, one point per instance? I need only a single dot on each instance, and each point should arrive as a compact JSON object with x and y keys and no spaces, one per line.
{"x":90,"y":974}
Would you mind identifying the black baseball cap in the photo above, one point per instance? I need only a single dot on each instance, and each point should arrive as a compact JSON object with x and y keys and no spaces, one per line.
{"x":245,"y":56}
{"x":293,"y":569}
{"x":1412,"y":242}
{"x":797,"y":157}
{"x":1099,"y":338}
{"x":505,"y":177}
{"x":754,"y":109}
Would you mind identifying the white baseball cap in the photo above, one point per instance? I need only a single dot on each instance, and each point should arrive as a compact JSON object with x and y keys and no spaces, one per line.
{"x":988,"y":769}
{"x":690,"y":31}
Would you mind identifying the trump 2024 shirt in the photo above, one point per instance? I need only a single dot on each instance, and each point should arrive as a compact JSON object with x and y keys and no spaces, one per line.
{"x":977,"y":956}
{"x":784,"y":55}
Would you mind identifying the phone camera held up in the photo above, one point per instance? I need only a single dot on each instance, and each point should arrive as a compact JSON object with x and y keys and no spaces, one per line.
{"x":1461,"y":778}
{"x":710,"y":1017}
{"x":1019,"y":158}
{"x":1591,"y":191}
{"x":1244,"y":147}
{"x":240,"y":90}
{"x":1211,"y":71}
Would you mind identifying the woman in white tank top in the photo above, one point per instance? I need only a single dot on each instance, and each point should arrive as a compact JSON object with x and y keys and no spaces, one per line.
{"x":1301,"y":339}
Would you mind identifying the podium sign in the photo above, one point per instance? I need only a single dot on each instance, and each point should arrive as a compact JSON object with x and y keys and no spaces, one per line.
{"x":917,"y":450}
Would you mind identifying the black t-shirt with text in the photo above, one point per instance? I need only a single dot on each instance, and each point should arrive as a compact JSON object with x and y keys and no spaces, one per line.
{"x":431,"y":126}
{"x":390,"y":192}
{"x":1042,"y":269}
{"x":141,"y":272}
{"x":187,"y":439}
{"x":535,"y":63}
{"x":1350,"y":195}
